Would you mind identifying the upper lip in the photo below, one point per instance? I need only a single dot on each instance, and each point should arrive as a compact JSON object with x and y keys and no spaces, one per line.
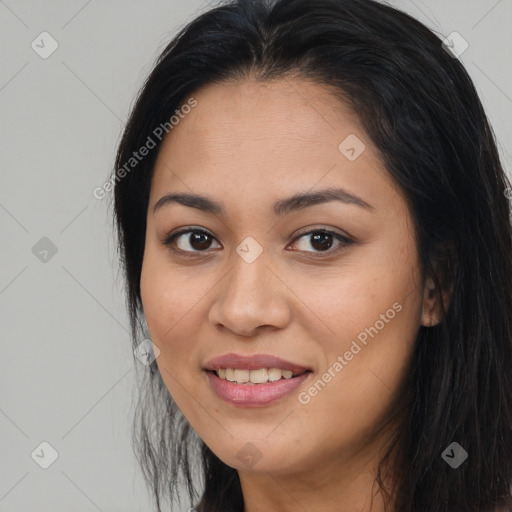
{"x":253,"y":362}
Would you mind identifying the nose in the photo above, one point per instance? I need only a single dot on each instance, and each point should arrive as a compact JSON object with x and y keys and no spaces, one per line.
{"x":252,"y":298}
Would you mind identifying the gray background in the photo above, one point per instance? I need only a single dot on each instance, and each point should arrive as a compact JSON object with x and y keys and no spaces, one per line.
{"x":66,"y":371}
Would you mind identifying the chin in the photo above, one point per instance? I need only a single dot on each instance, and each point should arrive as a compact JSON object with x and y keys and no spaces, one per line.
{"x":257,"y":455}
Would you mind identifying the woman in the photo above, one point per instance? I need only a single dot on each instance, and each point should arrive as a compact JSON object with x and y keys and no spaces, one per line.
{"x":313,"y":222}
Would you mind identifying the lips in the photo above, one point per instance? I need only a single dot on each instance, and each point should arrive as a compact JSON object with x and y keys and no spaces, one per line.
{"x":253,"y":362}
{"x":250,"y":394}
{"x":256,"y":395}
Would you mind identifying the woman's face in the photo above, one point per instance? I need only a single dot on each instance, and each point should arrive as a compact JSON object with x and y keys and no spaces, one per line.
{"x":271,"y":277}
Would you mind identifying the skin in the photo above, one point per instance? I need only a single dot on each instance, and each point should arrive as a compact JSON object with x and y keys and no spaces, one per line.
{"x":247,"y":145}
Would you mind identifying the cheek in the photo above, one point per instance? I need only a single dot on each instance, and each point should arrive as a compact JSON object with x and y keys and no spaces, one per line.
{"x":167,"y":301}
{"x":359,"y":300}
{"x":373,"y":317}
{"x":364,"y":369}
{"x":171,"y":308}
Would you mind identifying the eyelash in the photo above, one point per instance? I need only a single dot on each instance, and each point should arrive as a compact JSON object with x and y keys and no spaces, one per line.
{"x":168,"y":241}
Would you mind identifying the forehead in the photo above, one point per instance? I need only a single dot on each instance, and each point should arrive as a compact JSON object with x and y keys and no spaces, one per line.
{"x":283,"y":111}
{"x":283,"y":136}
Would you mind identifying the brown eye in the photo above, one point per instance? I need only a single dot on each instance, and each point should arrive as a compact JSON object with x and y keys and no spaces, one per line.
{"x":190,"y":241}
{"x":322,"y":240}
{"x":196,"y":240}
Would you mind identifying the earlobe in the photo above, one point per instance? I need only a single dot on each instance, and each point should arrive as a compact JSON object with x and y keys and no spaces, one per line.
{"x":431,"y":310}
{"x":432,"y":313}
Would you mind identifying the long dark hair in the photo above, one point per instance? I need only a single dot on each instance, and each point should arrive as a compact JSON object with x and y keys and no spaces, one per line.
{"x":422,"y":112}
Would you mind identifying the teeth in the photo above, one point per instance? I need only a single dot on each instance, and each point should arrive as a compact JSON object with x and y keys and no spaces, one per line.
{"x":242,"y":375}
{"x":259,"y":376}
{"x":274,"y":374}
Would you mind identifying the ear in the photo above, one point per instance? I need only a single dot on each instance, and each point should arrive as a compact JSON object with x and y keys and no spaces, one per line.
{"x":430,"y":315}
{"x":432,"y":312}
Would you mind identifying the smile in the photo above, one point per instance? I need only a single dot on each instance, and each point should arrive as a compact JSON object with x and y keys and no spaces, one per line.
{"x":259,"y":376}
{"x":250,"y":394}
{"x":253,"y":380}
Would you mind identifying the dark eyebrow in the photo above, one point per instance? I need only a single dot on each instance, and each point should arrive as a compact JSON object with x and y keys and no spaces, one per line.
{"x":281,"y":207}
{"x":305,"y":200}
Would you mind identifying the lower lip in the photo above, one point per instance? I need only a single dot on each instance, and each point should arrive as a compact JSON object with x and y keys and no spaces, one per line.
{"x":255,"y":395}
